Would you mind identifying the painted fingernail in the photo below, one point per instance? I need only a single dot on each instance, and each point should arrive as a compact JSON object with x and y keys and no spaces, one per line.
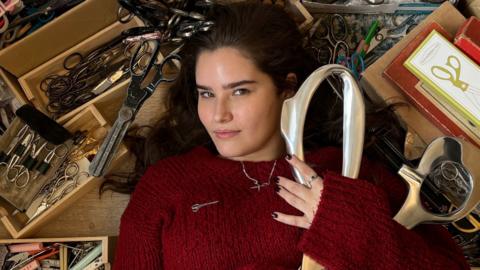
{"x":274,"y":215}
{"x":288,"y":157}
{"x":277,"y":189}
{"x":277,"y":180}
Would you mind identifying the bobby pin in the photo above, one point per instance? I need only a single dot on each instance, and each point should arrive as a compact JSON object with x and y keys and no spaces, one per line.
{"x":197,"y":206}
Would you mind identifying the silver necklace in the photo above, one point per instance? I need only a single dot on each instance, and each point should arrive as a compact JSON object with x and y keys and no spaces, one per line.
{"x":256,"y":182}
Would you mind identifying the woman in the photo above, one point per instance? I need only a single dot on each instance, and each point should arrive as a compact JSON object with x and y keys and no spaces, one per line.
{"x":235,"y":205}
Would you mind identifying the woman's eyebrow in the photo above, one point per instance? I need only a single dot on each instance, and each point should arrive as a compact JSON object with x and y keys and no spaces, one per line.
{"x":228,"y":86}
{"x":236,"y":84}
{"x":203,"y":87}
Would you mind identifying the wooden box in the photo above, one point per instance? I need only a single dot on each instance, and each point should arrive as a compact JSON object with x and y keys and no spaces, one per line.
{"x":31,"y":81}
{"x":78,"y":23}
{"x":301,"y":15}
{"x":88,"y":119}
{"x":108,"y":244}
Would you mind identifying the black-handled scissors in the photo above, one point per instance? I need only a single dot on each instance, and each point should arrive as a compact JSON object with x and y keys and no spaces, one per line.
{"x":136,"y":96}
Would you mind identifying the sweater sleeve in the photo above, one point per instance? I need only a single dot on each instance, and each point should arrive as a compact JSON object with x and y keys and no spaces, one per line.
{"x":139,"y":244}
{"x":354,"y":229}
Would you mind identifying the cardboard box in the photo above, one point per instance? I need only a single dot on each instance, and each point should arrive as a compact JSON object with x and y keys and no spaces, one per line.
{"x":381,"y":89}
{"x":31,"y":81}
{"x":108,"y":244}
{"x":58,"y":35}
{"x":471,"y":8}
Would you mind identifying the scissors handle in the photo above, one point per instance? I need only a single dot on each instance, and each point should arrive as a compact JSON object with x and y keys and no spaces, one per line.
{"x":446,"y":75}
{"x":442,"y":73}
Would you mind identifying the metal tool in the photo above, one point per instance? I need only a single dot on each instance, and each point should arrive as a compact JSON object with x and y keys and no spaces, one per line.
{"x":60,"y":185}
{"x":295,"y":109}
{"x":21,"y":174}
{"x":133,"y":101}
{"x":293,"y":118}
{"x":45,"y":165}
{"x":110,"y":80}
{"x":392,"y":33}
{"x":188,"y":29}
{"x":375,"y":2}
{"x":4,"y":157}
{"x":440,"y":150}
{"x":397,"y":8}
{"x":21,"y":149}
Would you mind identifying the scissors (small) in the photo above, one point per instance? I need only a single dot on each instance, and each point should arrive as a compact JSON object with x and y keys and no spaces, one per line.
{"x":334,"y":32}
{"x":22,"y":172}
{"x":59,"y":187}
{"x":392,"y":33}
{"x":59,"y":151}
{"x":355,"y":63}
{"x":472,"y":221}
{"x":186,"y":30}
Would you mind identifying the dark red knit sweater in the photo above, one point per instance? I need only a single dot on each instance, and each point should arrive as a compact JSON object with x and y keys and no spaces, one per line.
{"x":353,"y":227}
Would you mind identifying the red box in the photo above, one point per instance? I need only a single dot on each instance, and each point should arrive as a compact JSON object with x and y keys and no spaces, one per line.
{"x":468,"y":38}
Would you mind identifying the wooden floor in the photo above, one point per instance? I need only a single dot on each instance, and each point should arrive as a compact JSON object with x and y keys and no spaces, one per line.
{"x":89,"y":216}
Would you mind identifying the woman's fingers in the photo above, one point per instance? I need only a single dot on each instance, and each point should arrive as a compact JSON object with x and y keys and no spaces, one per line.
{"x":292,"y":199}
{"x":296,"y":221}
{"x":303,"y":198}
{"x":297,"y":189}
{"x":301,"y":166}
{"x":306,"y":171}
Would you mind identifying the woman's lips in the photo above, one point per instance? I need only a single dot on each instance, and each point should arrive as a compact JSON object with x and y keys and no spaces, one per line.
{"x":226,"y":134}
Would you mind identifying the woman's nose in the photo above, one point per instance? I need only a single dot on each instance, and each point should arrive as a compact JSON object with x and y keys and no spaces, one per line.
{"x":222,"y":112}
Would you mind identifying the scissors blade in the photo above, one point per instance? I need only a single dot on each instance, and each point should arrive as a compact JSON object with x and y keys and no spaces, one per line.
{"x":379,"y":38}
{"x":111,"y":143}
{"x":109,"y":81}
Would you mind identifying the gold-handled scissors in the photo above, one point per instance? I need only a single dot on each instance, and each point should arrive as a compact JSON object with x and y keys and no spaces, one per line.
{"x":471,"y":220}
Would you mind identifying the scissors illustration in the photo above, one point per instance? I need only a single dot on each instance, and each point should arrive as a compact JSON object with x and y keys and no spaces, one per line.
{"x":451,"y":72}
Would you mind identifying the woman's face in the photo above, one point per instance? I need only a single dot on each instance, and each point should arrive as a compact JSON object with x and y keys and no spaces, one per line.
{"x":239,"y":106}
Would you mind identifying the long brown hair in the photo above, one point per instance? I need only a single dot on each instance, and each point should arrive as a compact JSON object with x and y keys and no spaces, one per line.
{"x":268,"y":36}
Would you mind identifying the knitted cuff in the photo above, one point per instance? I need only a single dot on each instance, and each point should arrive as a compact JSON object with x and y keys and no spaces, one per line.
{"x":344,"y":204}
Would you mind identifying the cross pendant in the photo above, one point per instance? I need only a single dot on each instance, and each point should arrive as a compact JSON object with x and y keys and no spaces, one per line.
{"x":258,"y":186}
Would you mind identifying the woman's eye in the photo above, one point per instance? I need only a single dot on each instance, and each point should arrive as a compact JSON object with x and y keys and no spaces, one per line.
{"x":205,"y":94}
{"x":240,"y":92}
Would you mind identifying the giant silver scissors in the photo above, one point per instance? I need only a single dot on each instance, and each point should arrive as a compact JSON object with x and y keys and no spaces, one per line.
{"x":443,"y":149}
{"x":293,"y":118}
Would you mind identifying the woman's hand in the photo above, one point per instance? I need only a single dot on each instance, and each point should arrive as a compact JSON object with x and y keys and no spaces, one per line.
{"x":299,"y":196}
